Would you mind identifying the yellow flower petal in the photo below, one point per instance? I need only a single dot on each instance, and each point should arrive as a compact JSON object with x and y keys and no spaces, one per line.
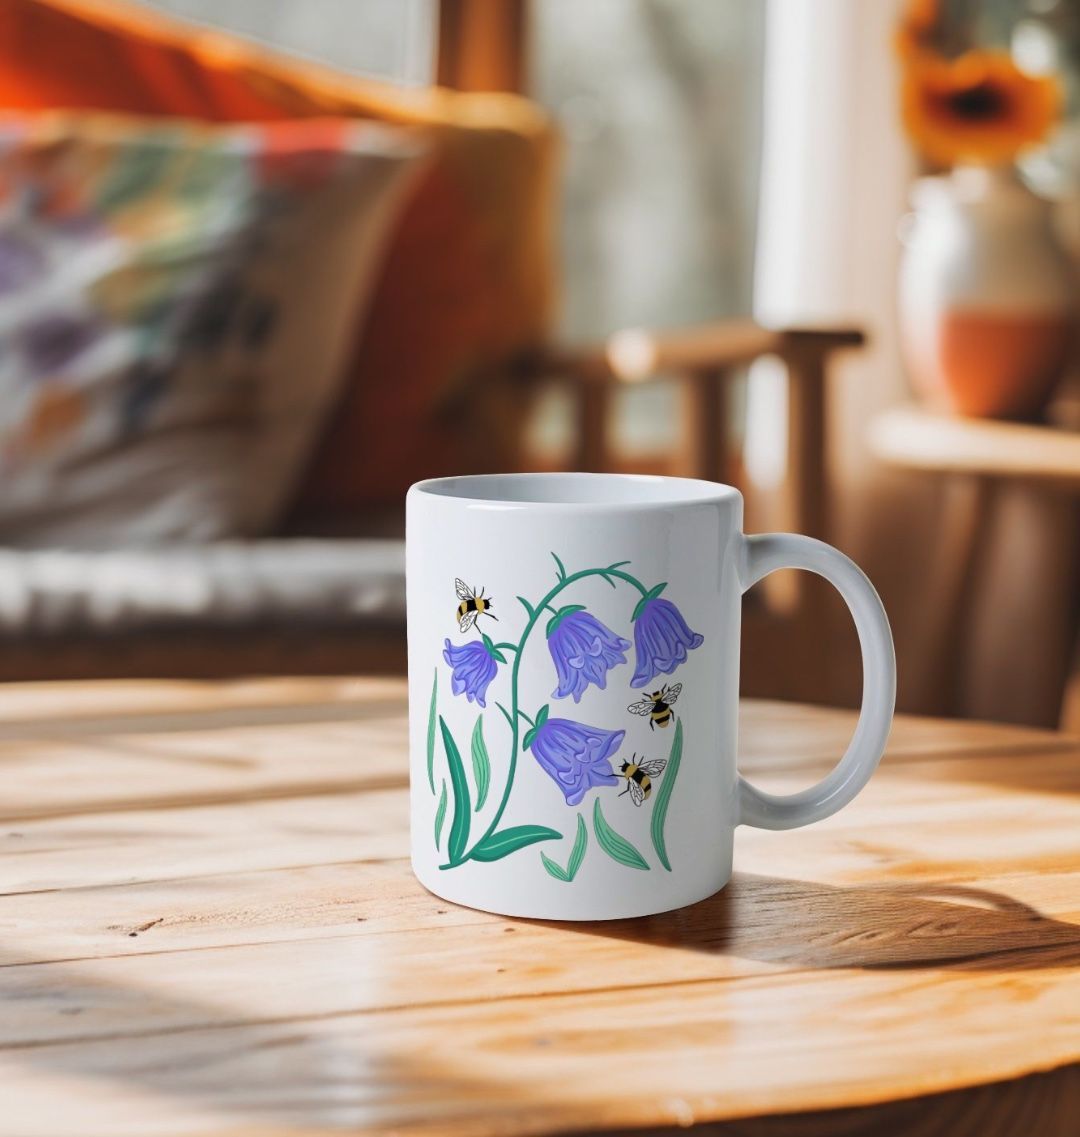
{"x":979,"y":107}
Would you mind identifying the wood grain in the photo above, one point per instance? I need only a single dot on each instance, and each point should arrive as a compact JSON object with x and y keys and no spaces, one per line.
{"x":914,"y":438}
{"x":635,"y":355}
{"x":208,"y":925}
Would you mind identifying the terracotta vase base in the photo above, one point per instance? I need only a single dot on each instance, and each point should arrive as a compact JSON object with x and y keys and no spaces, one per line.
{"x":994,"y":365}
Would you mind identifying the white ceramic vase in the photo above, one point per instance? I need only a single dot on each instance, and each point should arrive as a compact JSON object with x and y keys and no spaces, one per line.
{"x":987,"y":295}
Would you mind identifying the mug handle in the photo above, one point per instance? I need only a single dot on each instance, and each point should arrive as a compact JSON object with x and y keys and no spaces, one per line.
{"x":765,"y":554}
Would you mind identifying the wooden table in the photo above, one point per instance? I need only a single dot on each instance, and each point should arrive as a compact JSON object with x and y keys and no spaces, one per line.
{"x":208,"y":925}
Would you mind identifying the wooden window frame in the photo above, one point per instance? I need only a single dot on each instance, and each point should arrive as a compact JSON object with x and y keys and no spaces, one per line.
{"x":481,"y":45}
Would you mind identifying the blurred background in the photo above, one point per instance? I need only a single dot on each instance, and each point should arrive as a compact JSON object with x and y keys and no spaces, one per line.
{"x":263,"y":263}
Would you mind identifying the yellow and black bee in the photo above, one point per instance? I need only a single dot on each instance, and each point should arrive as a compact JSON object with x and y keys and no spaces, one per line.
{"x":472,"y":604}
{"x":657,"y":706}
{"x":639,"y":777}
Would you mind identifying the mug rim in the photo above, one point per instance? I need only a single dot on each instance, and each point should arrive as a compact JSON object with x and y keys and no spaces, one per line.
{"x":578,"y":491}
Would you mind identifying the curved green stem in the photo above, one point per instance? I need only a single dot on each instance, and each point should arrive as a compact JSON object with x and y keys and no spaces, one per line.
{"x":515,"y":710}
{"x":509,"y":647}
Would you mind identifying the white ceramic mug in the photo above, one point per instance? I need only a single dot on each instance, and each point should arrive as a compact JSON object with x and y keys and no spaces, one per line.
{"x":574,"y":688}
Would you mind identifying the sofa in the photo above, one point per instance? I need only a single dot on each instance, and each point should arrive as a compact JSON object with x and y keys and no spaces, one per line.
{"x":462,"y":293}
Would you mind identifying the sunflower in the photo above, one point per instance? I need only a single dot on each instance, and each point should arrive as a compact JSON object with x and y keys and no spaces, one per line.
{"x":918,"y":24}
{"x":979,"y":107}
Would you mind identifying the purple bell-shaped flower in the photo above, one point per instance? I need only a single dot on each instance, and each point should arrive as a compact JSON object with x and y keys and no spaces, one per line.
{"x":583,"y":650}
{"x":474,"y":665}
{"x":662,"y":638}
{"x":575,"y":756}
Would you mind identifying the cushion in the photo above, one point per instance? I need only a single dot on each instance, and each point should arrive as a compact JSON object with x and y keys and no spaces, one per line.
{"x":468,"y":280}
{"x":176,"y":303}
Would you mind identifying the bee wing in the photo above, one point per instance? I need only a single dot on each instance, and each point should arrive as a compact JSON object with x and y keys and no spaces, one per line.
{"x":672,"y":694}
{"x":464,"y":592}
{"x":653,"y":767}
{"x":467,"y":621}
{"x":642,"y":707}
{"x":637,"y":794}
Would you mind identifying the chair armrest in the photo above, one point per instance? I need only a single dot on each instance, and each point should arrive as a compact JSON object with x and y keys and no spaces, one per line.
{"x":635,"y":355}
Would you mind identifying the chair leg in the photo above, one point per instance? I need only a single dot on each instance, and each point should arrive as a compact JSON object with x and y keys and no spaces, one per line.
{"x":805,"y":479}
{"x":594,"y":411}
{"x":806,"y":444}
{"x":706,"y":423}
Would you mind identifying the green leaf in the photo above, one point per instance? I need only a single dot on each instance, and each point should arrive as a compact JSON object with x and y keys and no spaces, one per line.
{"x":528,"y":607}
{"x":431,"y":732}
{"x":492,"y":650}
{"x":614,"y":844}
{"x":650,"y":595}
{"x":577,"y":855}
{"x":617,"y":564}
{"x":561,"y":615}
{"x":530,"y":735}
{"x":481,"y":763}
{"x":440,"y":815}
{"x":663,"y":796}
{"x":553,"y":869}
{"x":562,"y":568}
{"x":459,"y":825}
{"x":542,"y":716}
{"x":502,"y":843}
{"x":605,"y":576}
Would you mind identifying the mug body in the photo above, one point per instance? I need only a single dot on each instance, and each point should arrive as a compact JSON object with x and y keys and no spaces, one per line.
{"x":573,"y":691}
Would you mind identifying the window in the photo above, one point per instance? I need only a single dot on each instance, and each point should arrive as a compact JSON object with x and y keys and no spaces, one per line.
{"x":386,"y":39}
{"x":659,"y":102}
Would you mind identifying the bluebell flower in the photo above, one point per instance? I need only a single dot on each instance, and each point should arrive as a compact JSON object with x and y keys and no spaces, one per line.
{"x":577,"y":757}
{"x":662,"y":639}
{"x":583,"y":650}
{"x":474,"y":666}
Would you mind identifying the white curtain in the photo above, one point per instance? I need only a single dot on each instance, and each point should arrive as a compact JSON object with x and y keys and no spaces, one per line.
{"x":835,"y":169}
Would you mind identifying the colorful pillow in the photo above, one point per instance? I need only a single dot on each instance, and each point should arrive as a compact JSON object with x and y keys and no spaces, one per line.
{"x":468,"y":280}
{"x":176,"y":304}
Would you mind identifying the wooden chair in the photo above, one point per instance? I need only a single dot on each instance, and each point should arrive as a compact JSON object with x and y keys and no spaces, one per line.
{"x":788,"y":622}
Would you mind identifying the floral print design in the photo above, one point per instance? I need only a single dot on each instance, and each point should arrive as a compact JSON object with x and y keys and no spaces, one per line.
{"x":583,"y":650}
{"x":576,"y":756}
{"x":50,"y":342}
{"x":662,"y":640}
{"x":132,"y":269}
{"x":473,"y":668}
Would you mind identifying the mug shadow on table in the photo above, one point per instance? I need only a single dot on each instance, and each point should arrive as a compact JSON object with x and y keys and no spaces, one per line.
{"x":811,"y":925}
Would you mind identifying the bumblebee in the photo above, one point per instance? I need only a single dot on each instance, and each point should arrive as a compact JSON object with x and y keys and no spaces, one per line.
{"x":657,"y":706}
{"x":472,"y":604}
{"x":639,"y":777}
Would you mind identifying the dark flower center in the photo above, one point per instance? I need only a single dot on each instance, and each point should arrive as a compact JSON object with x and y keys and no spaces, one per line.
{"x":981,"y":103}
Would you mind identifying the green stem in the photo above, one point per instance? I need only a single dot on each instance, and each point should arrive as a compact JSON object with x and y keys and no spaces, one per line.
{"x":509,"y":647}
{"x":515,"y":711}
{"x":526,"y":718}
